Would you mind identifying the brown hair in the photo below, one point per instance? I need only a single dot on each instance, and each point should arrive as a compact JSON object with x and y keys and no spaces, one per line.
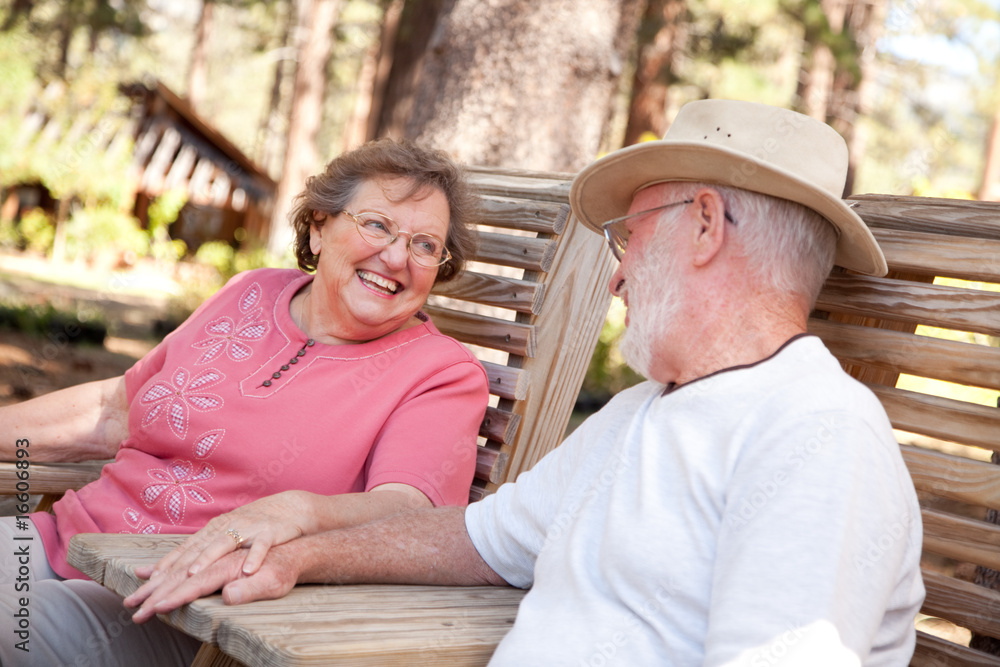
{"x":331,"y":191}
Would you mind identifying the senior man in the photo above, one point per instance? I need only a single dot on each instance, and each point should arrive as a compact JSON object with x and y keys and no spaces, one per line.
{"x":746,"y":505}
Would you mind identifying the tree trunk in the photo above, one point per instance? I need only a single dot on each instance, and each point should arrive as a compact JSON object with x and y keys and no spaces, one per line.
{"x":401,"y":68}
{"x":850,"y":98}
{"x":372,"y":80}
{"x":990,"y":189}
{"x":301,"y":156}
{"x":269,"y":136}
{"x":198,"y":69}
{"x":524,"y":85}
{"x":664,"y":22}
{"x":838,"y":70}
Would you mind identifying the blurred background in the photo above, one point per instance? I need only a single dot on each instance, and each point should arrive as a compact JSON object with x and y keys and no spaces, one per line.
{"x":149,"y":149}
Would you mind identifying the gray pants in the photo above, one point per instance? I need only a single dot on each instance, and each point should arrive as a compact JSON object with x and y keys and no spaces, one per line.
{"x":71,"y":622}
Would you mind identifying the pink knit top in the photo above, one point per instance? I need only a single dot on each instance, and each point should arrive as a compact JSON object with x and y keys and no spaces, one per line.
{"x":236,"y":404}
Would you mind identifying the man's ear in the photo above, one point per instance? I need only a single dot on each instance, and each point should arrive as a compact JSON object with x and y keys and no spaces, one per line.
{"x":710,"y":230}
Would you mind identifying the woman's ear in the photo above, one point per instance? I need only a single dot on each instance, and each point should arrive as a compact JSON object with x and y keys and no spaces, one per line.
{"x":316,"y":232}
{"x":315,"y":239}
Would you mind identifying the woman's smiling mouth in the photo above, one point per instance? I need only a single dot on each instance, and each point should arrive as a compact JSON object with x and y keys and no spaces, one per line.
{"x":378,"y":284}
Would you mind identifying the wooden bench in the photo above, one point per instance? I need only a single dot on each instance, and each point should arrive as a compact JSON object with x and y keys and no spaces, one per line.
{"x":871,"y":324}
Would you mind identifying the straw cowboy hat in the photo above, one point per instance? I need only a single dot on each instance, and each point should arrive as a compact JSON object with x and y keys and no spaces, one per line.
{"x":745,"y":145}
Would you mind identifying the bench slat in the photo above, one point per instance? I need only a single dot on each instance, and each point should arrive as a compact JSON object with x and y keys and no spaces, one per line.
{"x":52,"y":477}
{"x":954,"y":477}
{"x":491,"y":464}
{"x":912,"y":302}
{"x":521,"y":185}
{"x":500,"y":425}
{"x":962,"y":603}
{"x":521,"y":252}
{"x":960,"y":538}
{"x":956,"y":217}
{"x":485,"y":331}
{"x":964,"y":363}
{"x":523,"y":214}
{"x":942,"y":418}
{"x":522,"y":296}
{"x":933,"y":651}
{"x":507,"y":382}
{"x":940,"y":255}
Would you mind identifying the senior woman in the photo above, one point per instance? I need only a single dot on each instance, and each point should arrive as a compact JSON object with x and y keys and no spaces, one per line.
{"x":288,"y":403}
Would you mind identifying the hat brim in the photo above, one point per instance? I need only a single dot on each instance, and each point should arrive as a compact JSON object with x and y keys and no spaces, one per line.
{"x":604,"y":190}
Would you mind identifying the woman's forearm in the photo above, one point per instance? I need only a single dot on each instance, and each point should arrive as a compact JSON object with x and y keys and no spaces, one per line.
{"x":79,"y":423}
{"x":350,"y":509}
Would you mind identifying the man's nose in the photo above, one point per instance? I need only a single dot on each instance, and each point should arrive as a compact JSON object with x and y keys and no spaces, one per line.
{"x":617,"y":281}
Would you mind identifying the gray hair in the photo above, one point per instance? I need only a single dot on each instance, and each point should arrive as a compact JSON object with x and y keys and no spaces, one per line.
{"x":791,"y":248}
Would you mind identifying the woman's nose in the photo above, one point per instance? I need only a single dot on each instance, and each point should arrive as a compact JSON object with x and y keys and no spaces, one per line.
{"x":396,"y":254}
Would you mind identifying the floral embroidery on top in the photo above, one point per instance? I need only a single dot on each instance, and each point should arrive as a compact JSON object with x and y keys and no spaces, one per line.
{"x":134,"y":520}
{"x":206,"y":443}
{"x":176,"y":485}
{"x":175,"y":399}
{"x":250,"y":298}
{"x":234,"y":338}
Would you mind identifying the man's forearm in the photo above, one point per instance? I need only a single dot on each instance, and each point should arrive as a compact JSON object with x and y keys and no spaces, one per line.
{"x":425,"y":546}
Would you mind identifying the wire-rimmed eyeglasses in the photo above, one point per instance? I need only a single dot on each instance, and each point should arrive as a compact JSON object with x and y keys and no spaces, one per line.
{"x":380,"y":230}
{"x":617,"y":233}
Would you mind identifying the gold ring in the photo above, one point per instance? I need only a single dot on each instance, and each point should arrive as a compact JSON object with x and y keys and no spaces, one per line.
{"x":233,"y":533}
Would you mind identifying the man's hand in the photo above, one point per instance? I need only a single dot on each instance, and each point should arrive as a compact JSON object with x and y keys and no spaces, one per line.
{"x":273,"y":579}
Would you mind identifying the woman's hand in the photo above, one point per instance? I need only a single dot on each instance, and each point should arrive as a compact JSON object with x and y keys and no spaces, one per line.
{"x":265,"y":523}
{"x":256,"y":526}
{"x":272,"y":580}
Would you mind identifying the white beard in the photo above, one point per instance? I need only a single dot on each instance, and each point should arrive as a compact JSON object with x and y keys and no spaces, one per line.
{"x":654,"y":289}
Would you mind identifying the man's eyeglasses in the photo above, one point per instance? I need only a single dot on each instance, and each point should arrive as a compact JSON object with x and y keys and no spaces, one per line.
{"x":380,"y":230}
{"x":617,"y":234}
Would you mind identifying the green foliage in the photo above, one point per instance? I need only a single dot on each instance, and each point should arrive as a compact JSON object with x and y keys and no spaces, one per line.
{"x":607,"y":373}
{"x":46,"y":321}
{"x":103,"y":229}
{"x":9,"y":236}
{"x":164,"y":210}
{"x":228,"y":262}
{"x":162,"y":213}
{"x":217,"y":254}
{"x":36,"y":231}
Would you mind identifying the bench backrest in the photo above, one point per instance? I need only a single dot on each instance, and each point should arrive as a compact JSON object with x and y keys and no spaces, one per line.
{"x":931,"y":322}
{"x":532,"y":306}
